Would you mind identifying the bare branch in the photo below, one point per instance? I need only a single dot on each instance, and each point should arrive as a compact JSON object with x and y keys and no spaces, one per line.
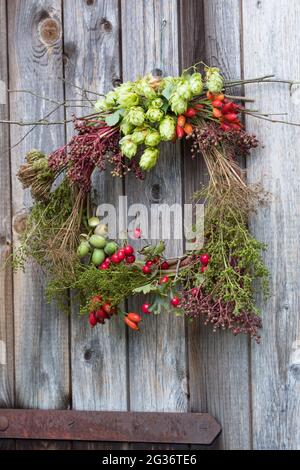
{"x":42,"y":122}
{"x":31,"y":92}
{"x":278,"y":121}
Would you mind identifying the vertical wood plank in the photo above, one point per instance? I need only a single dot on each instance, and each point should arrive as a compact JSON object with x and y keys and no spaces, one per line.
{"x":269,"y":31}
{"x":91,"y":47}
{"x":6,"y":285}
{"x":41,"y":331}
{"x":6,"y":288}
{"x":218,"y":363}
{"x":157,"y":362}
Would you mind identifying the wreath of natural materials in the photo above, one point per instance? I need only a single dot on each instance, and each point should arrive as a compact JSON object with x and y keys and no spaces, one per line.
{"x":124,"y":133}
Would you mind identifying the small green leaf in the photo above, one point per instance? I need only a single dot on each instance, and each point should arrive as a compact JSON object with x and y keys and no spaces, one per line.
{"x":165,"y":106}
{"x":113,"y":119}
{"x":145,"y":289}
{"x":167,"y":92}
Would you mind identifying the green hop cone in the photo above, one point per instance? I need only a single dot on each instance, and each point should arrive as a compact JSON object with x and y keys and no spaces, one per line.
{"x":143,"y":88}
{"x":123,"y":89}
{"x":196,"y":83}
{"x":214,"y":80}
{"x":152,"y":138}
{"x":149,"y":158}
{"x":111,"y":99}
{"x":125,"y":127}
{"x":138,"y":136}
{"x":127,"y":100}
{"x":154,"y":114}
{"x":157,"y":103}
{"x":136,"y":116}
{"x":167,"y":128}
{"x":100,"y":106}
{"x":169,"y":82}
{"x":128,"y":147}
{"x":183,"y":90}
{"x":178,"y":104}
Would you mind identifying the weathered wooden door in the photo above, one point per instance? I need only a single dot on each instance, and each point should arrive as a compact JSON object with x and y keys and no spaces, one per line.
{"x":51,"y":361}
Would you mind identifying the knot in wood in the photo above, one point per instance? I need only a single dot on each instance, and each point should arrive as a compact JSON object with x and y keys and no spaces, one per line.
{"x":156,"y":193}
{"x":4,"y":423}
{"x":116,"y":82}
{"x":105,"y":25}
{"x":50,"y":31}
{"x":87,"y":355}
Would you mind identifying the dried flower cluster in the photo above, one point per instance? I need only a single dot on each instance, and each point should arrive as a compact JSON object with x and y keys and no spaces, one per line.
{"x":197,"y":303}
{"x":204,"y":138}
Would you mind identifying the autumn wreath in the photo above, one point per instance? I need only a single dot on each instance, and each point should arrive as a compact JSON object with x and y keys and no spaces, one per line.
{"x":125,"y":133}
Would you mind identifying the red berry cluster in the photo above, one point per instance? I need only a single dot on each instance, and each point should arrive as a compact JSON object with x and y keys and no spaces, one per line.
{"x":100,"y":311}
{"x":204,"y":260}
{"x":123,"y":254}
{"x":183,"y":127}
{"x":226,"y":111}
{"x":150,"y":264}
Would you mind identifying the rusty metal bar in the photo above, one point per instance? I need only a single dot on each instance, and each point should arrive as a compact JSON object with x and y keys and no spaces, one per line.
{"x":179,"y":428}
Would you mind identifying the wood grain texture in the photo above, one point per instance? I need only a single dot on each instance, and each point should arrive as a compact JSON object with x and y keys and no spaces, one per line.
{"x":6,"y":285}
{"x":218,"y":362}
{"x":99,"y":363}
{"x":269,"y":31}
{"x":157,"y":362}
{"x":41,"y":331}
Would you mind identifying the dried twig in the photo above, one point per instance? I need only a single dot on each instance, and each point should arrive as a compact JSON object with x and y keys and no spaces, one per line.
{"x":278,"y":121}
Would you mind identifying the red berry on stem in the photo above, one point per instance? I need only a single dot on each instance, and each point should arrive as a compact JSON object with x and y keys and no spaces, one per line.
{"x":92,"y":319}
{"x":103,"y":266}
{"x":180,"y":132}
{"x":129,"y":250}
{"x":131,"y":323}
{"x":121,"y":254}
{"x":231,"y":117}
{"x":165,"y":265}
{"x":203,"y":269}
{"x":149,"y":263}
{"x":190,"y":112}
{"x":134,"y":317}
{"x":156,"y":260}
{"x":181,"y":120}
{"x":195,"y":292}
{"x":146,"y":269}
{"x":164,"y":280}
{"x":101,"y":315}
{"x":205,"y":258}
{"x":130,"y":259}
{"x":175,"y":301}
{"x":236,"y":126}
{"x":217,"y":104}
{"x":217,"y":113}
{"x":225,"y":127}
{"x":188,"y":129}
{"x":107,"y":261}
{"x":145,"y":308}
{"x":107,"y":308}
{"x":115,"y":259}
